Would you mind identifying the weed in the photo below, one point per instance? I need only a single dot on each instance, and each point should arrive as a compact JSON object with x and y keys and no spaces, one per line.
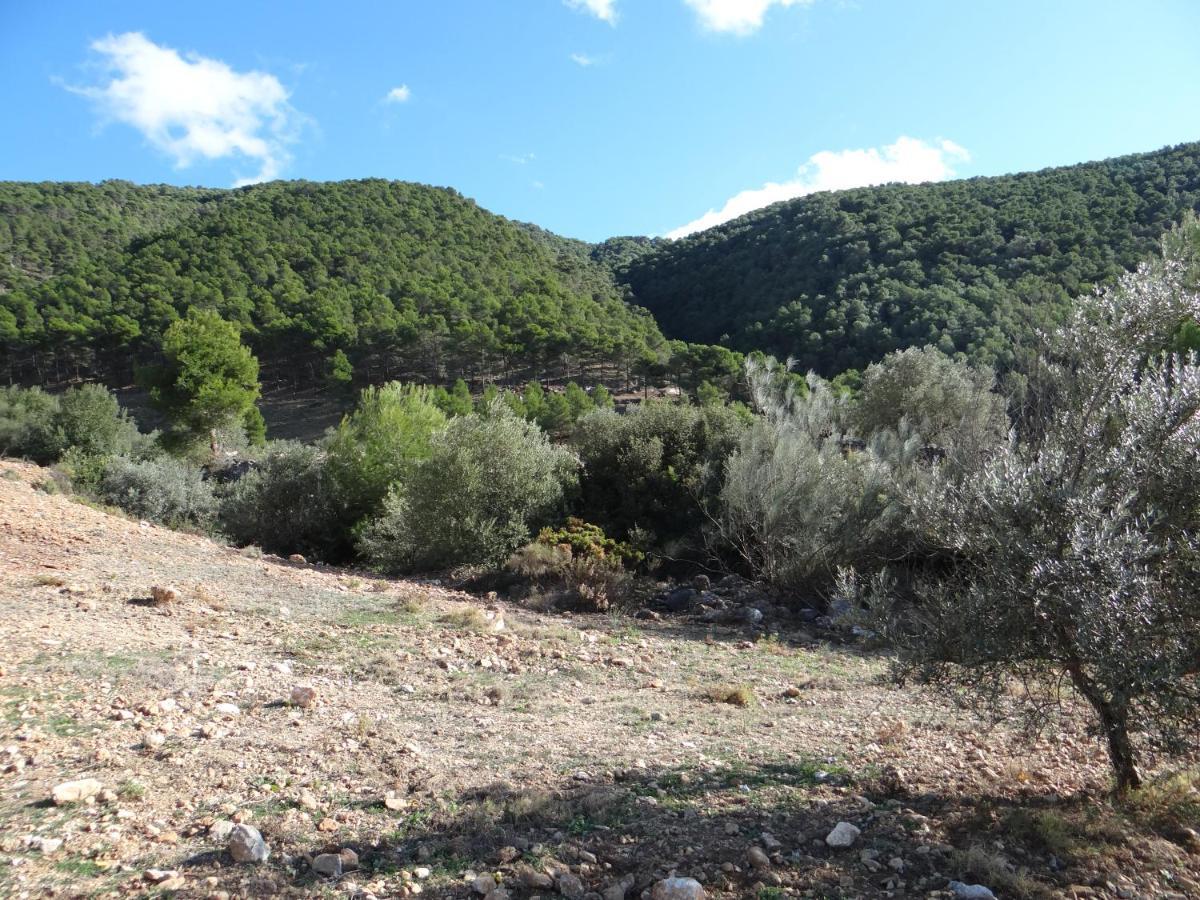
{"x":469,"y":618}
{"x":733,"y":694}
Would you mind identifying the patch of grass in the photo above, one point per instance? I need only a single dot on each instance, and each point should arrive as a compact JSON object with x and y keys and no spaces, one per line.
{"x":1167,"y":804}
{"x":979,"y":866}
{"x":773,"y":645}
{"x":1043,"y":830}
{"x":251,"y":551}
{"x":131,"y":789}
{"x":734,"y":694}
{"x":469,"y":618}
{"x":363,"y":618}
{"x":50,"y":581}
{"x":10,"y":475}
{"x":78,"y":867}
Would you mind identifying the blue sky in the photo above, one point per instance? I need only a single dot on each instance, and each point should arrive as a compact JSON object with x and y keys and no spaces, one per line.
{"x":591,"y":117}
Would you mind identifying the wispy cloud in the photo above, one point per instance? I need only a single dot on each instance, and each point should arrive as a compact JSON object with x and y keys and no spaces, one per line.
{"x":604,"y":10}
{"x":400,"y":94}
{"x":736,"y":16}
{"x":191,"y":107}
{"x":908,"y":160}
{"x":518,"y":159}
{"x":583,"y":59}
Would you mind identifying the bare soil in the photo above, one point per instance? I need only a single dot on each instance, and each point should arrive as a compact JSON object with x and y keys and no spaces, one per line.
{"x":443,"y":747}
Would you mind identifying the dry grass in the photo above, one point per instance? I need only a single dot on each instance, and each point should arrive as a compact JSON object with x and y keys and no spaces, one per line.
{"x":734,"y":694}
{"x":469,"y":618}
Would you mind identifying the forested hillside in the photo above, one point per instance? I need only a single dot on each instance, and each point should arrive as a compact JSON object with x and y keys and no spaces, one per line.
{"x":837,"y":280}
{"x":405,"y":280}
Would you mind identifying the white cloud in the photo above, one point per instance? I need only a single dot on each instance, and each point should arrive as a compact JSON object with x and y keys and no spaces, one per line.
{"x":582,"y":59}
{"x":192,"y":108}
{"x":518,"y":159}
{"x":604,"y":10}
{"x":399,"y":94}
{"x":736,"y":16}
{"x":908,"y":160}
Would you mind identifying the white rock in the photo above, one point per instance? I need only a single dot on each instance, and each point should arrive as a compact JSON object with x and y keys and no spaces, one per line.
{"x":678,"y":889}
{"x":971,"y":891}
{"x":228,"y":709}
{"x":843,"y":835}
{"x":246,"y":845}
{"x":75,"y":791}
{"x":422,"y":872}
{"x":484,"y":884}
{"x":220,"y":830}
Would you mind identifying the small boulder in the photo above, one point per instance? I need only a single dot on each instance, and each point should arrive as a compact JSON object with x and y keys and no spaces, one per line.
{"x":678,"y":889}
{"x":349,"y":859}
{"x":303,"y":696}
{"x":162,"y":594}
{"x":971,"y":891}
{"x":843,"y":835}
{"x":758,"y":859}
{"x":220,"y":830}
{"x":229,"y":710}
{"x":327,"y":865}
{"x":570,"y":886}
{"x":681,"y":599}
{"x":484,"y":884}
{"x":246,"y":845}
{"x":297,"y":558}
{"x":76,"y":791}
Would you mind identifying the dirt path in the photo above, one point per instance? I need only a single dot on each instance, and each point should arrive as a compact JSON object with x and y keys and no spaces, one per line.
{"x":557,"y":754}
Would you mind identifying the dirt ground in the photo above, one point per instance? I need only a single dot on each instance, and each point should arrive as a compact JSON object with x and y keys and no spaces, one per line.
{"x":452,"y":744}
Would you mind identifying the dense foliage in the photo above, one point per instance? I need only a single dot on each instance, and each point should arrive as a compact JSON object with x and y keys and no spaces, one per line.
{"x":838,"y":280}
{"x":1075,"y":548}
{"x":488,"y":483}
{"x":403,"y":279}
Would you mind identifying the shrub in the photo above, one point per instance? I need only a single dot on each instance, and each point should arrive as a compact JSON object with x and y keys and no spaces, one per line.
{"x":1076,"y":549}
{"x":287,"y":505}
{"x":589,"y":541}
{"x":27,"y":424}
{"x":950,"y":404}
{"x":487,"y":482}
{"x":802,"y":499}
{"x":163,"y":490}
{"x":654,"y":470}
{"x":90,"y":419}
{"x":377,"y":446}
{"x":578,"y":567}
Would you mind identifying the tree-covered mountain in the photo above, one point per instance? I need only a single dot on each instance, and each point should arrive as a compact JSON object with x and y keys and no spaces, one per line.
{"x":837,"y":280}
{"x":406,"y":280}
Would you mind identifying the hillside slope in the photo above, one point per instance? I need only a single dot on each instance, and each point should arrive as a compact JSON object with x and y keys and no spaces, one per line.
{"x":839,"y":279}
{"x":407,"y":280}
{"x":440,"y":747}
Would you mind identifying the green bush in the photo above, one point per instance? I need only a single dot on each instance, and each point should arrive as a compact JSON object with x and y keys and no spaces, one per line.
{"x":288,"y":505}
{"x":487,"y":482}
{"x":377,"y":446}
{"x":588,"y":541}
{"x":27,"y":424}
{"x":163,"y":490}
{"x":653,"y":470}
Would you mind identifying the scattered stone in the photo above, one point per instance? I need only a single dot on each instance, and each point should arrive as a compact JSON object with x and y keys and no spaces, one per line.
{"x":328,"y":824}
{"x":246,"y":845}
{"x":681,"y":599}
{"x":534,"y":880}
{"x":220,"y":830}
{"x":297,"y":558}
{"x":308,"y":799}
{"x":45,"y":845}
{"x":158,"y":876}
{"x":483,"y":884}
{"x":76,"y":791}
{"x":163,"y":594}
{"x":678,"y":889}
{"x":349,"y":859}
{"x":758,"y":859}
{"x":843,"y":835}
{"x":328,"y":865}
{"x":570,"y":886}
{"x":154,"y":740}
{"x":770,"y":842}
{"x":971,"y":891}
{"x":303,"y":696}
{"x":394,"y":801}
{"x":228,"y":709}
{"x":618,"y":890}
{"x":422,"y":872}
{"x":496,"y":894}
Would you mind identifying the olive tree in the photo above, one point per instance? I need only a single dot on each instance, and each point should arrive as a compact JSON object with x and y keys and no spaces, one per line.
{"x":1076,"y":549}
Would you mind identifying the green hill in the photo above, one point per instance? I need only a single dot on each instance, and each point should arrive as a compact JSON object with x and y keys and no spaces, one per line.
{"x":839,"y":279}
{"x":407,"y":280}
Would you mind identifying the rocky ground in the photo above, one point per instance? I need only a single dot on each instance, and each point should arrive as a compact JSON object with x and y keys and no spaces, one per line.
{"x":395,"y":738}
